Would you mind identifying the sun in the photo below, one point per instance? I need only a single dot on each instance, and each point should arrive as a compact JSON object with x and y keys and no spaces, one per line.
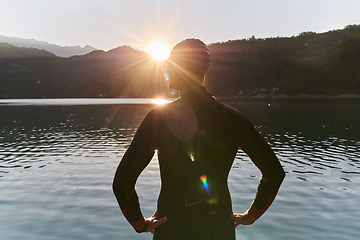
{"x":158,"y":51}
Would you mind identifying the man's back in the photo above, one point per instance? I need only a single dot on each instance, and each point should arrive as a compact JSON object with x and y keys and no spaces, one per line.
{"x":196,"y":146}
{"x":196,"y":139}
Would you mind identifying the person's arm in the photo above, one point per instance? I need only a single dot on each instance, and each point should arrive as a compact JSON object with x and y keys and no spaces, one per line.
{"x":136,"y":158}
{"x":272,"y":173}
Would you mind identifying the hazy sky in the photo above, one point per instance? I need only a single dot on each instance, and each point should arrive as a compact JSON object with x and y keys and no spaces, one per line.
{"x":106,"y":24}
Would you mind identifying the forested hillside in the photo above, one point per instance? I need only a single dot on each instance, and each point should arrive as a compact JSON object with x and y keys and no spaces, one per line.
{"x":310,"y":63}
{"x":121,"y":72}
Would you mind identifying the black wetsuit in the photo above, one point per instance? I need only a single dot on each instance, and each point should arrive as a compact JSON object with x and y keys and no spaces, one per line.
{"x":196,"y":138}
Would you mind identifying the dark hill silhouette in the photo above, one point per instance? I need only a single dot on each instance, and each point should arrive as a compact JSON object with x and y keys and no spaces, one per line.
{"x":116,"y":73}
{"x":310,"y":63}
{"x":9,"y":51}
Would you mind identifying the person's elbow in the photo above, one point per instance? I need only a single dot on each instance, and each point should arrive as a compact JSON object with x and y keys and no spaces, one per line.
{"x":116,"y":186}
{"x":277,"y":176}
{"x":280,"y":176}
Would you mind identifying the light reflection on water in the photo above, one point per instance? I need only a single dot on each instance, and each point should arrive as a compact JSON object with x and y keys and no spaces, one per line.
{"x":80,"y":101}
{"x":57,"y":165}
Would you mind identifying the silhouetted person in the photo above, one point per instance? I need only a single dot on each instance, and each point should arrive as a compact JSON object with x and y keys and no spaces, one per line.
{"x":196,"y":138}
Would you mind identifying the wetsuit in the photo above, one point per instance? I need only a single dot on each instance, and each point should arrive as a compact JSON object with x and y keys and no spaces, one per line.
{"x":196,"y":138}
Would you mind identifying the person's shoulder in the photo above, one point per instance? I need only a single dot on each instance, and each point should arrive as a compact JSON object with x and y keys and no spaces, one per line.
{"x":163,"y":108}
{"x":158,"y":112}
{"x":232,"y":113}
{"x":226,"y":109}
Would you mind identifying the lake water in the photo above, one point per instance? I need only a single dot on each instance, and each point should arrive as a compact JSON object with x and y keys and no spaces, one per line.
{"x":58,"y":158}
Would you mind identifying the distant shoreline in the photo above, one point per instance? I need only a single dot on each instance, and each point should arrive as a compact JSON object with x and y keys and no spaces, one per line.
{"x":301,"y":96}
{"x":263,"y":96}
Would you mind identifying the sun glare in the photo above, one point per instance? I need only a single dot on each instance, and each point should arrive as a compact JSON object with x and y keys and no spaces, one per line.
{"x":159,"y":101}
{"x":158,"y":51}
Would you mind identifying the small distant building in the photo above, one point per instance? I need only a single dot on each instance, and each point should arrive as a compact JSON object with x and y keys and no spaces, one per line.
{"x":274,"y":89}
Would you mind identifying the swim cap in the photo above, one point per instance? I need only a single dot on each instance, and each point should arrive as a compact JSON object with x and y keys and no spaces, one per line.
{"x":190,"y":55}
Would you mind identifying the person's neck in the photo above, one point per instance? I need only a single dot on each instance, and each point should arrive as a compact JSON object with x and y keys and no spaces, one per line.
{"x":191,"y":87}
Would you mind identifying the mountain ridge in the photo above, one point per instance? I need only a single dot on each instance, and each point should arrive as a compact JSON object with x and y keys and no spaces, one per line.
{"x":60,"y":51}
{"x":316,"y":64}
{"x":116,"y":73}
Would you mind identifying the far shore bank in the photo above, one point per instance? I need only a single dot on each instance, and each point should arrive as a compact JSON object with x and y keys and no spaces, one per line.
{"x":302,"y":96}
{"x":223,"y":98}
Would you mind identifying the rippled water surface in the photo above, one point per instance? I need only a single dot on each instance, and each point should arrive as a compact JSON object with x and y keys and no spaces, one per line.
{"x":57,"y":162}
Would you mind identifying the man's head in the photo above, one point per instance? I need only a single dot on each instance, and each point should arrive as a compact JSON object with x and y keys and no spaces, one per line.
{"x":188,"y":63}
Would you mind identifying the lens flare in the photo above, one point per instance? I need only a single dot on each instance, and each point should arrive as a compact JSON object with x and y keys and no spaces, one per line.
{"x":203,"y":179}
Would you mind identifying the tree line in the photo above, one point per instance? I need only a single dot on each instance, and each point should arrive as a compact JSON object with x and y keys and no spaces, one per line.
{"x":310,"y":63}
